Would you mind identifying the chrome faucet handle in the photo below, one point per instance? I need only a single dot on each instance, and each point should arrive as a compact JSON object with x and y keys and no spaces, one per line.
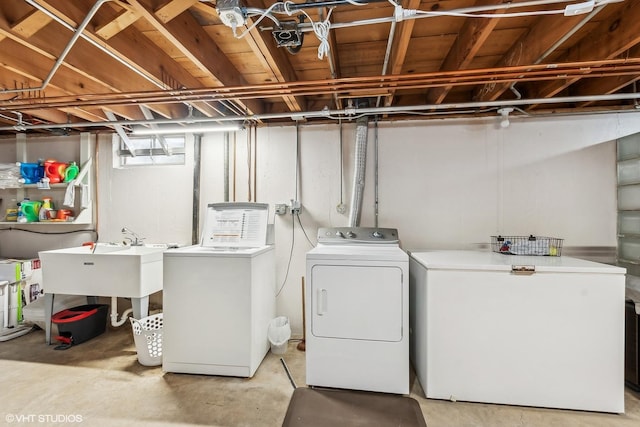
{"x":133,"y":238}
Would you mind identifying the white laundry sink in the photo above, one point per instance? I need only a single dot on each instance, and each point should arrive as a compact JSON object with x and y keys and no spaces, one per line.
{"x":106,"y":270}
{"x":109,"y":270}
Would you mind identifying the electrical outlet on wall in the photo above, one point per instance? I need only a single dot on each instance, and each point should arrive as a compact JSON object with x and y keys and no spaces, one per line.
{"x":295,"y":207}
{"x":281,"y":208}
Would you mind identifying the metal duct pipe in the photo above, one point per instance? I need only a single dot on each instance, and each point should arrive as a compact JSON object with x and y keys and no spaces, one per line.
{"x":355,"y":207}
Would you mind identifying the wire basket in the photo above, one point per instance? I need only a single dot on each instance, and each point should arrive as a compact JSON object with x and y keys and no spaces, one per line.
{"x":147,"y":335}
{"x":527,"y":245}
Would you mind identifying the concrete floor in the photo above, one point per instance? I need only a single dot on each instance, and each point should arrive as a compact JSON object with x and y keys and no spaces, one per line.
{"x":101,"y":383}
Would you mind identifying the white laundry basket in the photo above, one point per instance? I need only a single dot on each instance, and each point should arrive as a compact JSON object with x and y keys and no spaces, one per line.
{"x":279,"y":333}
{"x":147,"y":335}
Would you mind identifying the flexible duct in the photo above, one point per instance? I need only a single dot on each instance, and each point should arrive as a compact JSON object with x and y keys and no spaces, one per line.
{"x":362,"y":127}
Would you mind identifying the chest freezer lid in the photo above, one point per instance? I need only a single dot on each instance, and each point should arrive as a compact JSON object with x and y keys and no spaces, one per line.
{"x":235,"y":225}
{"x":491,"y":261}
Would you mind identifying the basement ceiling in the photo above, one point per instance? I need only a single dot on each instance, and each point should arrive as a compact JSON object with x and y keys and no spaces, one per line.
{"x":69,"y":66}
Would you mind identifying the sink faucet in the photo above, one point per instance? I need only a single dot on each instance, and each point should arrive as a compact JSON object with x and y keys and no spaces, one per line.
{"x":133,"y":238}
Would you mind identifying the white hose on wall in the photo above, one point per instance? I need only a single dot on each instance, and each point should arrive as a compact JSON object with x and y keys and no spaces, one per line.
{"x":362,"y":128}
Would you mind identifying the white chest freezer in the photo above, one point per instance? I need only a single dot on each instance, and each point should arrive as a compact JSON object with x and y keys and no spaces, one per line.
{"x":518,"y":330}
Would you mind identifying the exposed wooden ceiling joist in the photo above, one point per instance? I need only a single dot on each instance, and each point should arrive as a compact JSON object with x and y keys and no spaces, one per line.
{"x":612,"y":38}
{"x":178,"y":56}
{"x":184,"y":33}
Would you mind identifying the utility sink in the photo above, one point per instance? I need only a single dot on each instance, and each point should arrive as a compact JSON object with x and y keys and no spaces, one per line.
{"x":107,"y":270}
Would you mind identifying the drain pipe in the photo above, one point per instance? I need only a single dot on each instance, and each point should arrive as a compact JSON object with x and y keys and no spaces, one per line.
{"x":114,"y":313}
{"x":76,"y":35}
{"x":362,"y":126}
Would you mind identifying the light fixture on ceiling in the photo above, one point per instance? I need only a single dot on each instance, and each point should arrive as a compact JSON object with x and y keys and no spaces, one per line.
{"x":504,"y":116}
{"x":176,"y":129}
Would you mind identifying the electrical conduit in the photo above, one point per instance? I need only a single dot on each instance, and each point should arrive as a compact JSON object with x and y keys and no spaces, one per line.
{"x":76,"y":35}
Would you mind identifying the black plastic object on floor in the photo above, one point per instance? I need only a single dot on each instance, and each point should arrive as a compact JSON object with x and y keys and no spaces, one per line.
{"x":79,"y":324}
{"x":331,"y":407}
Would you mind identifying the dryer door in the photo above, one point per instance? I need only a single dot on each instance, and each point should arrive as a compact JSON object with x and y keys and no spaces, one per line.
{"x":356,"y":302}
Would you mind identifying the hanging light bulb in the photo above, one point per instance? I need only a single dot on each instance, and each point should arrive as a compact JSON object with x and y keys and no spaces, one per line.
{"x":504,"y":116}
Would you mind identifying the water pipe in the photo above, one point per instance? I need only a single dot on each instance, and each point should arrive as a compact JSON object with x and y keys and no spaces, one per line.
{"x":114,"y":313}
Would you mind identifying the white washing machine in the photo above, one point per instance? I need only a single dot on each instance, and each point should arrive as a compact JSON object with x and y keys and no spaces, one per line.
{"x":356,"y":300}
{"x":219,"y":296}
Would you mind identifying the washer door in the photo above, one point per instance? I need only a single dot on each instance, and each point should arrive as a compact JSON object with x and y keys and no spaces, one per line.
{"x":356,"y":302}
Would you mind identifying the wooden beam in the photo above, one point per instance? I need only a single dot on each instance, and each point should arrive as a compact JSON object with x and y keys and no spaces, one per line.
{"x":129,"y":112}
{"x":470,"y":39}
{"x":273,"y":59}
{"x":173,"y":8}
{"x":22,"y":70}
{"x":547,"y":31}
{"x":605,"y":85}
{"x":194,"y":43}
{"x":89,"y":115}
{"x":111,"y":28}
{"x":49,"y":116}
{"x":12,"y":77}
{"x":400,"y":45}
{"x":31,"y":24}
{"x":334,"y":59}
{"x":612,"y":37}
{"x":129,"y":45}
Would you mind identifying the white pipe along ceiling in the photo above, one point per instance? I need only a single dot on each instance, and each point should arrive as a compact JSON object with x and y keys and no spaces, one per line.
{"x":94,"y":64}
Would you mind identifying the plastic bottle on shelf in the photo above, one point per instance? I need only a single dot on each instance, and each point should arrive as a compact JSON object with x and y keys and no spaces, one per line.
{"x":47,"y":205}
{"x":30,"y":209}
{"x":71,"y":172}
{"x":54,"y":170}
{"x":21,"y":217}
{"x":30,"y":173}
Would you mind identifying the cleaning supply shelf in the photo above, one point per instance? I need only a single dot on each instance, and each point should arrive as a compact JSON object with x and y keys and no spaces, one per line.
{"x":74,"y":196}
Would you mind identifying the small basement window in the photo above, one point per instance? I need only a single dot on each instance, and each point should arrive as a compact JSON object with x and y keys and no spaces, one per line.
{"x":150,"y":150}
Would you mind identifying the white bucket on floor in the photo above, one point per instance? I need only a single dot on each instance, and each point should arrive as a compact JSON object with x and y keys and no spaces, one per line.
{"x":279,"y":334}
{"x":147,"y":335}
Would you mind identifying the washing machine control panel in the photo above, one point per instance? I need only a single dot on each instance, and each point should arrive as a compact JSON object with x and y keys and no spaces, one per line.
{"x":350,"y":235}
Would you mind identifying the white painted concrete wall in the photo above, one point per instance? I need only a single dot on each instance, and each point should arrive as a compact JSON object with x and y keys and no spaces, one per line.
{"x":443,"y":184}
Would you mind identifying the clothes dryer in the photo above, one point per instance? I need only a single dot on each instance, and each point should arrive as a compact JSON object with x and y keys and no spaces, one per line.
{"x":356,"y":300}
